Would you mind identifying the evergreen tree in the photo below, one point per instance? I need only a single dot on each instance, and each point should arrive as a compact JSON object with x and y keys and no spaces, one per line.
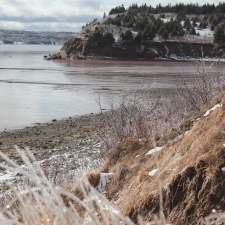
{"x":193,"y":31}
{"x":117,"y":10}
{"x":187,"y":24}
{"x":149,"y":32}
{"x":127,"y":36}
{"x":96,"y":39}
{"x":203,"y":24}
{"x":219,"y":35}
{"x":108,"y":39}
{"x":163,"y":32}
{"x":195,"y":21}
{"x":139,"y":38}
{"x":176,"y":29}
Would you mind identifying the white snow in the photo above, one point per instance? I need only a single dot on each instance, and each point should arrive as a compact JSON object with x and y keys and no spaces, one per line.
{"x":186,"y":58}
{"x":212,"y":109}
{"x":153,"y":172}
{"x":187,"y":132}
{"x":223,"y":169}
{"x":166,"y":20}
{"x":154,"y":150}
{"x":104,"y":177}
{"x":205,"y":32}
{"x":213,"y":210}
{"x":6,"y":177}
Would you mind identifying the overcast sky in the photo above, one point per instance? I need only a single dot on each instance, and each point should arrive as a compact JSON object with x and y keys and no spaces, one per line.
{"x":62,"y":15}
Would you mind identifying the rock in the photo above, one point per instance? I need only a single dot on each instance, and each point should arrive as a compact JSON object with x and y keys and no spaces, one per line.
{"x":53,"y":56}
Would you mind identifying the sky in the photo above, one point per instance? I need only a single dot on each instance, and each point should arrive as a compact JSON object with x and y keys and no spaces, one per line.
{"x":63,"y":15}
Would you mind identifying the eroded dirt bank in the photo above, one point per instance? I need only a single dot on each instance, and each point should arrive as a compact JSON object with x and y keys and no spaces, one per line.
{"x":183,"y":179}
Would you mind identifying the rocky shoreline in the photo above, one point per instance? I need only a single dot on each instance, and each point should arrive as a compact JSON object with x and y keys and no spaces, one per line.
{"x":63,"y":148}
{"x":83,"y":48}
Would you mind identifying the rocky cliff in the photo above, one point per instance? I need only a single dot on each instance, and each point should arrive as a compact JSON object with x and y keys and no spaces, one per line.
{"x":82,"y":47}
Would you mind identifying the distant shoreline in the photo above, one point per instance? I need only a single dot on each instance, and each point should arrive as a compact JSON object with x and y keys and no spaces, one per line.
{"x":96,"y":60}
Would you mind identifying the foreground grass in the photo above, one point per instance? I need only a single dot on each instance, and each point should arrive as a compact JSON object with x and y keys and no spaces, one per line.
{"x":42,"y":203}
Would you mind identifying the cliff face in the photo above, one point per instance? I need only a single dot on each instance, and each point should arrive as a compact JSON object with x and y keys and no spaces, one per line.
{"x":82,"y":47}
{"x":184,"y":179}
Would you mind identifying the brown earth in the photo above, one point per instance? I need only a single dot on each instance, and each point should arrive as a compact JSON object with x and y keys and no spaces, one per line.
{"x":189,"y":175}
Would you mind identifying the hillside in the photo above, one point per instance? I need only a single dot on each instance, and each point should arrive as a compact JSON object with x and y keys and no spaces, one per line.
{"x":181,"y":181}
{"x":144,"y":32}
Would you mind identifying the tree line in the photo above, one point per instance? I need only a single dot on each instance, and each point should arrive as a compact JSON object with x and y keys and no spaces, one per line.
{"x":143,"y":20}
{"x":185,"y":8}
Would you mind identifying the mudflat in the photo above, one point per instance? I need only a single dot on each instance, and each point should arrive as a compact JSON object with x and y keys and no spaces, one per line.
{"x":63,"y":148}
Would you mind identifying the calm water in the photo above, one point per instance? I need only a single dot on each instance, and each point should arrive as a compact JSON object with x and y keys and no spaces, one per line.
{"x":34,"y":90}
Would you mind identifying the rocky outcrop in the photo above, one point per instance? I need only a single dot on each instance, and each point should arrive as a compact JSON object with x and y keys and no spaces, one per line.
{"x":82,"y":47}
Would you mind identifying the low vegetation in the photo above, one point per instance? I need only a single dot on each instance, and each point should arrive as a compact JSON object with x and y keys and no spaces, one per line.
{"x":151,"y":116}
{"x":42,"y":203}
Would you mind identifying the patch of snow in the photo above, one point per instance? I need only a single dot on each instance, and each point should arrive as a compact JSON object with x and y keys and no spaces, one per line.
{"x":176,"y":139}
{"x":223,"y":169}
{"x":7,"y":177}
{"x":137,"y":156}
{"x":153,"y":172}
{"x":104,"y":177}
{"x":187,"y":58}
{"x":212,"y":109}
{"x":97,"y":145}
{"x":134,"y":33}
{"x":213,"y":210}
{"x":205,"y":32}
{"x":166,"y":20}
{"x":154,"y":150}
{"x":213,"y":60}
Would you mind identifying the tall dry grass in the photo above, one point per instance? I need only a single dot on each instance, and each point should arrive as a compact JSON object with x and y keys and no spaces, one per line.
{"x":42,"y":203}
{"x":202,"y":87}
{"x":143,"y":115}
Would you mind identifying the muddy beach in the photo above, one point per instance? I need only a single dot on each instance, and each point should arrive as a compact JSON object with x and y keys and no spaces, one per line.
{"x":63,"y":148}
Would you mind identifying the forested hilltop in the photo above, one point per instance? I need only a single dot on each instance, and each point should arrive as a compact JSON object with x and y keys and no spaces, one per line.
{"x":146,"y":32}
{"x":169,"y":21}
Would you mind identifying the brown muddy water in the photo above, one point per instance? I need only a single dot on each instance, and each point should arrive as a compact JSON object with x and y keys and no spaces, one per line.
{"x":33,"y":90}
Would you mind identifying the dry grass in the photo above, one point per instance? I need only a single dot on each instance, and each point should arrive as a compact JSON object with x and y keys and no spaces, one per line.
{"x":42,"y":203}
{"x":143,"y":115}
{"x":139,"y":116}
{"x":93,"y":178}
{"x":195,"y":158}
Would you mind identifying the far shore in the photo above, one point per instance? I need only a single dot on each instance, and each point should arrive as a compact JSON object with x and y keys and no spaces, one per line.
{"x":112,"y":61}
